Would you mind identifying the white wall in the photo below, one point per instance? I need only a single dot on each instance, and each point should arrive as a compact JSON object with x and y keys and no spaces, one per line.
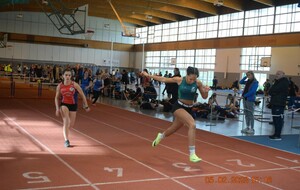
{"x":228,"y":60}
{"x":40,"y":52}
{"x":39,"y":24}
{"x":286,"y":59}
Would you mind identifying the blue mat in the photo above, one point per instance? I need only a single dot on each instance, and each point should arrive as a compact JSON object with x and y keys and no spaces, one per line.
{"x":288,"y":143}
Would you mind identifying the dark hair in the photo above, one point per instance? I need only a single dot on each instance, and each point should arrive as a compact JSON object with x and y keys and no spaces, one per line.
{"x":192,"y":71}
{"x":67,"y":70}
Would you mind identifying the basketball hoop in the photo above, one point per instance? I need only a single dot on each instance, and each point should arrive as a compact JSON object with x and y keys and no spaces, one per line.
{"x":130,"y":31}
{"x":89,"y":34}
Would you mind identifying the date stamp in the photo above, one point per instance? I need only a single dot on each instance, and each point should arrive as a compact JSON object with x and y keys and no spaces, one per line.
{"x":237,"y":179}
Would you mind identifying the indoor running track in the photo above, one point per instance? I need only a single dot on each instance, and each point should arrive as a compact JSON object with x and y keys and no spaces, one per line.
{"x":112,"y":150}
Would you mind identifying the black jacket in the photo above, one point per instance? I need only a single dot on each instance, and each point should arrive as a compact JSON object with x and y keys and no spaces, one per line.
{"x":279,"y":92}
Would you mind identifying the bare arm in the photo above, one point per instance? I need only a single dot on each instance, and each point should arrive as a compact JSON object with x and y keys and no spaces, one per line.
{"x":203,"y":89}
{"x":164,"y":79}
{"x":56,"y":100}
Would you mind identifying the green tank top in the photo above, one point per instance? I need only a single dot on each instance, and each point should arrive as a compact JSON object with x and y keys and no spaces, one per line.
{"x":187,"y":91}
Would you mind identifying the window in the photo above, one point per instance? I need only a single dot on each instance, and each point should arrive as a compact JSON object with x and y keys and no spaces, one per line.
{"x":170,"y":32}
{"x":231,"y":24}
{"x":259,"y":21}
{"x":203,"y":59}
{"x":207,"y":27}
{"x":287,"y":19}
{"x":251,"y":58}
{"x":281,"y":19}
{"x":142,"y":32}
{"x":187,"y":30}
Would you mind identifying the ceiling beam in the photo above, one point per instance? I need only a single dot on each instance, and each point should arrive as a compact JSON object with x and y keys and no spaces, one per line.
{"x":191,"y":4}
{"x":150,"y":5}
{"x":233,"y":4}
{"x":126,"y":19}
{"x":124,"y":14}
{"x":142,"y":10}
{"x":266,"y":2}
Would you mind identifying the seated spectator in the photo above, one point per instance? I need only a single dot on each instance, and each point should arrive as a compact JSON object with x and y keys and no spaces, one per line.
{"x":232,"y":105}
{"x":235,"y":85}
{"x":149,"y":92}
{"x":137,"y":96}
{"x":116,"y":88}
{"x":212,"y":101}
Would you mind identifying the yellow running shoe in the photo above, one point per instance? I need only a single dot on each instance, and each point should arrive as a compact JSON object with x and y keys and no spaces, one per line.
{"x":157,"y":140}
{"x":195,"y":158}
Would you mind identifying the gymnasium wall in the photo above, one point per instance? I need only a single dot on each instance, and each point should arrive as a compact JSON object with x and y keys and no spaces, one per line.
{"x":39,"y":24}
{"x":227,"y":68}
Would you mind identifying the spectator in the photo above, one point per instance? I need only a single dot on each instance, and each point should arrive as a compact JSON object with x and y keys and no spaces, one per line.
{"x":149,"y":92}
{"x":249,"y":96}
{"x":215,"y":83}
{"x":267,"y":86}
{"x":173,"y":87}
{"x":292,"y":92}
{"x":278,"y":93}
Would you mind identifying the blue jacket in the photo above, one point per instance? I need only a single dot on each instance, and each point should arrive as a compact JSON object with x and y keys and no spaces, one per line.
{"x":251,"y":94}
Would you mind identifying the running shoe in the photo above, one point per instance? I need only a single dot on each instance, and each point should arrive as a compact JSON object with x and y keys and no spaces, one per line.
{"x":157,"y":140}
{"x":244,"y":130}
{"x":67,"y":143}
{"x":250,"y":131}
{"x":195,"y":158}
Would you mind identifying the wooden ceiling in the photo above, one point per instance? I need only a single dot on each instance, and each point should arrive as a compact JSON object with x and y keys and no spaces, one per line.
{"x":153,"y":12}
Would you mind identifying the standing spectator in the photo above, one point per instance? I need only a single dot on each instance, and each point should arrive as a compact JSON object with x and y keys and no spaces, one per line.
{"x":278,"y":93}
{"x":249,"y":96}
{"x":8,"y":70}
{"x":292,"y":92}
{"x":166,"y":75}
{"x":267,"y":86}
{"x":215,"y":83}
{"x":125,"y":78}
{"x":173,"y":87}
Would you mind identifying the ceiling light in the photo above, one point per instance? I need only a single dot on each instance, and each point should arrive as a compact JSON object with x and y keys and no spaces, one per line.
{"x":19,"y":15}
{"x":149,"y":17}
{"x":218,"y":3}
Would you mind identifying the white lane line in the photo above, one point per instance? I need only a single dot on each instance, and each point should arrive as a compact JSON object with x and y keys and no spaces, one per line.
{"x":56,"y":187}
{"x":109,"y":147}
{"x":104,"y":183}
{"x":230,"y":171}
{"x":215,"y":145}
{"x":49,"y":150}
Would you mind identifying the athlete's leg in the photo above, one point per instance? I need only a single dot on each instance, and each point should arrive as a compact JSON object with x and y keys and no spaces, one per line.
{"x":186,"y":119}
{"x":72,"y":118}
{"x":177,"y":124}
{"x":65,"y":114}
{"x":172,"y":129}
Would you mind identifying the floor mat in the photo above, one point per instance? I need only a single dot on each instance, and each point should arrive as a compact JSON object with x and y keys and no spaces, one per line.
{"x":288,"y":143}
